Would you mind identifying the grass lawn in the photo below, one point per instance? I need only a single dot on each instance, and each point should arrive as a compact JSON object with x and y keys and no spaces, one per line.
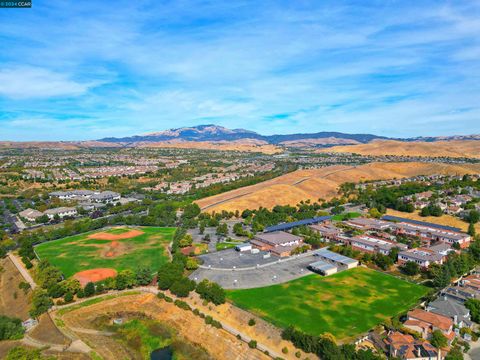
{"x":346,"y":216}
{"x":344,"y":304}
{"x":227,"y":245}
{"x":77,"y":253}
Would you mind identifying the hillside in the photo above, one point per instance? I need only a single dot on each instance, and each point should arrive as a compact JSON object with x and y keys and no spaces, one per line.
{"x":321,"y":183}
{"x":453,"y":148}
{"x":246,"y":145}
{"x":57,"y":145}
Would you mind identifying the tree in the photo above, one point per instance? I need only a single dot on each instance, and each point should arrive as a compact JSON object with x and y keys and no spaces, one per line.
{"x":373,"y":212}
{"x":411,"y":268}
{"x":71,"y":285}
{"x":383,"y":261}
{"x":10,"y":328}
{"x":47,"y":275}
{"x":455,"y":353}
{"x":20,"y":353}
{"x":438,"y":339}
{"x":89,"y":289}
{"x":474,"y":306}
{"x":182,"y":287}
{"x":222,"y":229}
{"x":443,"y":277}
{"x":68,"y":297}
{"x":143,"y":275}
{"x":191,"y":211}
{"x":186,"y":241}
{"x":167,"y":274}
{"x":471,"y":229}
{"x":211,"y":291}
{"x":192,"y":264}
{"x":473,"y":216}
{"x":125,"y":279}
{"x":41,"y":302}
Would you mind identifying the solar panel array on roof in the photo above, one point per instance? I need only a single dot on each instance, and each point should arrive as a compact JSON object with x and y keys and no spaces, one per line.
{"x":291,"y":225}
{"x":333,"y":256}
{"x":423,"y":223}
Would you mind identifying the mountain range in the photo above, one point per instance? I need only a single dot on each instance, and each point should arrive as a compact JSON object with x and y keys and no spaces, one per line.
{"x":216,"y":133}
{"x":221,"y":138}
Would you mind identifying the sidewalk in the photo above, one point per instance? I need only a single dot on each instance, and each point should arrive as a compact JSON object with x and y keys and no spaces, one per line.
{"x":19,"y":265}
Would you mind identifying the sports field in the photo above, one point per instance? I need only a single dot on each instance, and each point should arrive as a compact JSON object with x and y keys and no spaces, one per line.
{"x":118,"y":248}
{"x":345,"y":304}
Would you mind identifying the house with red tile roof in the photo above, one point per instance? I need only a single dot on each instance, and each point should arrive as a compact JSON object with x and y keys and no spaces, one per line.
{"x":405,"y":347}
{"x":425,"y":322}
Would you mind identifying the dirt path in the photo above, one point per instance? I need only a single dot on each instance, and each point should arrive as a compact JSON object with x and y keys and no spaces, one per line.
{"x":19,"y":265}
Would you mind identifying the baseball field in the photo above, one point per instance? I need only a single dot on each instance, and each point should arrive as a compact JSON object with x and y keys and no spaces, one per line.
{"x":104,"y":252}
{"x":345,"y":304}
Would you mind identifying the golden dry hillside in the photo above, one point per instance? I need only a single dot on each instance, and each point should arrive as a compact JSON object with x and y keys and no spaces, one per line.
{"x":321,"y":183}
{"x":246,"y":145}
{"x":447,"y":220}
{"x":453,"y":148}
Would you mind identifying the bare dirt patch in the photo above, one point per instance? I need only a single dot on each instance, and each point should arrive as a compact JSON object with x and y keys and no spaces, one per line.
{"x":47,"y":332}
{"x":94,"y":275}
{"x":108,"y":236}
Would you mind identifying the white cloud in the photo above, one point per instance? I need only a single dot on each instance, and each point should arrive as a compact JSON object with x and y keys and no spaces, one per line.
{"x":32,"y":82}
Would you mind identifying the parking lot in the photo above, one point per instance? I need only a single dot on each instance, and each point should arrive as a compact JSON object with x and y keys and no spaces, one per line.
{"x":248,"y":275}
{"x":231,"y":259}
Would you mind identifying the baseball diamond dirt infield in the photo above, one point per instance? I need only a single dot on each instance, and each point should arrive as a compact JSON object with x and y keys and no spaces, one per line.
{"x":94,"y":275}
{"x":113,"y":249}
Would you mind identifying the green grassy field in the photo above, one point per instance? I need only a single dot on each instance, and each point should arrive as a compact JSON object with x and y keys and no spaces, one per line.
{"x":345,"y":304}
{"x":227,"y":245}
{"x":77,"y":253}
{"x":346,"y":216}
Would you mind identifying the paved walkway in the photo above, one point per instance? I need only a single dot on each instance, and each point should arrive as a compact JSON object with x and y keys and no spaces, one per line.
{"x":24,"y":272}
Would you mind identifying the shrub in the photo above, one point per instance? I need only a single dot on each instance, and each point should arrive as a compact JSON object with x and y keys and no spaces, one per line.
{"x":182,"y":305}
{"x":10,"y":328}
{"x":252,"y":344}
{"x":68,"y":297}
{"x":251,"y":322}
{"x":285,"y":350}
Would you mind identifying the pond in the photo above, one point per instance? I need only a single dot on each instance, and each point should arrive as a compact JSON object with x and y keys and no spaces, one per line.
{"x":165,"y":353}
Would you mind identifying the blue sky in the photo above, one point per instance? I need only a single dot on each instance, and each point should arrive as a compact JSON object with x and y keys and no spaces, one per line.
{"x":72,"y":70}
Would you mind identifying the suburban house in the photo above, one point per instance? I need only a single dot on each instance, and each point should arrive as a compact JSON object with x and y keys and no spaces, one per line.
{"x":461,"y":293}
{"x":452,"y":308}
{"x":472,"y":281}
{"x":422,"y":256}
{"x":425,"y":323}
{"x":406,"y":347}
{"x":61,"y":212}
{"x":106,"y":197}
{"x":30,"y":214}
{"x":279,"y":243}
{"x":82,"y":195}
{"x":373,"y":245}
